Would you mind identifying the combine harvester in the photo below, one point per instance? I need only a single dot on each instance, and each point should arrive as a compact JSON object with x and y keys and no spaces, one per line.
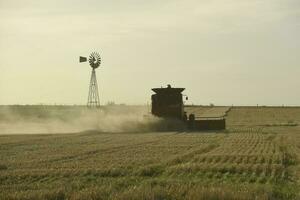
{"x":168,"y":103}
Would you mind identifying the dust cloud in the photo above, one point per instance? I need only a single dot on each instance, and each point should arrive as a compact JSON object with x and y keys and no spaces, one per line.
{"x":74,"y":119}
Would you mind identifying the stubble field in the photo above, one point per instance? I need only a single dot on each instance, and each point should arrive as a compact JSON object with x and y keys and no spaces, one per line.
{"x":257,"y":157}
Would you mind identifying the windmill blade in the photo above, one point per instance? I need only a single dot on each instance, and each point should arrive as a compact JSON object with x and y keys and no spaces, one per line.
{"x":94,"y":60}
{"x":82,"y":59}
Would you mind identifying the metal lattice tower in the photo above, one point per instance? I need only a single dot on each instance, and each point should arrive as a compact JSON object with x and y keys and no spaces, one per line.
{"x":93,"y":96}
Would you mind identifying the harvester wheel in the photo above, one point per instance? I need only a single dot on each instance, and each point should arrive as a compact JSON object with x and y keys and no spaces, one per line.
{"x":184,"y":116}
{"x":191,"y":117}
{"x":191,"y":121}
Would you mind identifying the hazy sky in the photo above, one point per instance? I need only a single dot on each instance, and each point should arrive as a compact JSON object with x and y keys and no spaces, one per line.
{"x":241,"y":52}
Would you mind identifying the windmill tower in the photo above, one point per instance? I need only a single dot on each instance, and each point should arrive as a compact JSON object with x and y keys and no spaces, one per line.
{"x":93,"y":96}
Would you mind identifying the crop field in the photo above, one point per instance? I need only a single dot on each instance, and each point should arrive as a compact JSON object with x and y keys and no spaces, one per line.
{"x":256,"y":157}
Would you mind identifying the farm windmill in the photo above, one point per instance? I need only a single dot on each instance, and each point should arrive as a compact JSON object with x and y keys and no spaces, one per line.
{"x":93,"y":96}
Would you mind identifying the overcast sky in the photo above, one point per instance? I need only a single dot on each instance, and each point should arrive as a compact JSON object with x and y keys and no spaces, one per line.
{"x":224,"y":52}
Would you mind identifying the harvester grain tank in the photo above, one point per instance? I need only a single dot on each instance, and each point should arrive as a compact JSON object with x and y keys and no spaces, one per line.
{"x":168,"y":103}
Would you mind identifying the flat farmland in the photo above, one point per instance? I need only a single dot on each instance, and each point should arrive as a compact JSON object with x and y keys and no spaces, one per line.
{"x":263,"y":116}
{"x":257,"y":157}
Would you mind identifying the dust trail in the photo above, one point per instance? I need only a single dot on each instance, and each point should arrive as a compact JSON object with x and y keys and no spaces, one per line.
{"x":68,"y":119}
